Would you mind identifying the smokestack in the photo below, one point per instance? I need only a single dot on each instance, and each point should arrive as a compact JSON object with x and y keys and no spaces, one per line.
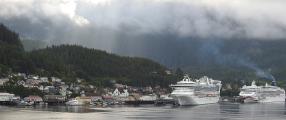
{"x":273,"y":83}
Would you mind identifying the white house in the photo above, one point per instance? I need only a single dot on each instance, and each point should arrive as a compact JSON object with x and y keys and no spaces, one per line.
{"x":116,"y":93}
{"x":55,"y":79}
{"x":44,"y":79}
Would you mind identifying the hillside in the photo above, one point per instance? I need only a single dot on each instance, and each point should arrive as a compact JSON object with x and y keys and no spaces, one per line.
{"x":11,"y":50}
{"x":224,"y":59}
{"x":70,"y":62}
{"x":30,"y":45}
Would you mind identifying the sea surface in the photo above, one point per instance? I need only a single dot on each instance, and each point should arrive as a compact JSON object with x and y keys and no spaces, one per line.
{"x":219,"y":111}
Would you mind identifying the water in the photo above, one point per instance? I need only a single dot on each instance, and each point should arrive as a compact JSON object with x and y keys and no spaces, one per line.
{"x":225,"y":111}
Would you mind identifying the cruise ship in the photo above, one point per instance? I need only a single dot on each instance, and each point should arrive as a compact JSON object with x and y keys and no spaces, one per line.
{"x":196,"y":92}
{"x":267,"y":93}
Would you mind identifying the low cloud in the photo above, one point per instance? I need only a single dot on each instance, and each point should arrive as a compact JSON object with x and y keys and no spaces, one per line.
{"x":100,"y":23}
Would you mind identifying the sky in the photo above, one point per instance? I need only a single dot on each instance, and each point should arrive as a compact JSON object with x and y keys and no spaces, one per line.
{"x":102,"y":23}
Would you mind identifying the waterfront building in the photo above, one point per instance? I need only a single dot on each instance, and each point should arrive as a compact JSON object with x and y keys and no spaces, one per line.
{"x":35,"y":99}
{"x":54,"y":99}
{"x":5,"y":97}
{"x":85,"y":100}
{"x":96,"y":98}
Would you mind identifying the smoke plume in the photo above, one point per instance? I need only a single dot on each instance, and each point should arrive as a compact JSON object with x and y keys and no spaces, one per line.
{"x":213,"y":48}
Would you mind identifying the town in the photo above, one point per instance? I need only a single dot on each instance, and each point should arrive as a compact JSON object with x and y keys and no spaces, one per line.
{"x":54,"y":91}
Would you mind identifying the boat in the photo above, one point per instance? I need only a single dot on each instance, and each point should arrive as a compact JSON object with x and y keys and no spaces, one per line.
{"x":262,"y":94}
{"x":74,"y":102}
{"x":25,"y":103}
{"x":196,"y":92}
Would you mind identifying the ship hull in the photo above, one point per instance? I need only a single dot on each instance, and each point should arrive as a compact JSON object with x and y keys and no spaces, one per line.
{"x":263,"y":99}
{"x":248,"y":99}
{"x":195,"y":100}
{"x":138,"y":102}
{"x":272,"y":99}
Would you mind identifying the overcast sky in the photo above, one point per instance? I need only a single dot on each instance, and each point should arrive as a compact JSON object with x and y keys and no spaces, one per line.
{"x":99,"y":23}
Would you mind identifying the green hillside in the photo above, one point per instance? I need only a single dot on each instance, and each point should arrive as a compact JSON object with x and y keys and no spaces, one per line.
{"x":11,"y":50}
{"x":71,"y":61}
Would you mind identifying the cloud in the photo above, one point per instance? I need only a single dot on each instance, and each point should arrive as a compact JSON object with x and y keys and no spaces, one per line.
{"x":99,"y":23}
{"x":201,"y":18}
{"x":36,"y":10}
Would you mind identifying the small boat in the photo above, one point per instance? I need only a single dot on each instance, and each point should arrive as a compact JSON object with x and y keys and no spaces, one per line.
{"x":24,"y":103}
{"x":74,"y":102}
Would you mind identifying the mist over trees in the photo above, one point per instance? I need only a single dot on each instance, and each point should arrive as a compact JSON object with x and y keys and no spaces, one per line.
{"x":70,"y":62}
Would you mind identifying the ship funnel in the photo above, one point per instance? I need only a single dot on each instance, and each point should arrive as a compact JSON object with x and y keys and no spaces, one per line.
{"x":253,"y":83}
{"x":273,"y":83}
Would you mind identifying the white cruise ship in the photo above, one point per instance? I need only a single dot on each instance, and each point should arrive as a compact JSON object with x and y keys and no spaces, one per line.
{"x":267,"y":93}
{"x":195,"y":92}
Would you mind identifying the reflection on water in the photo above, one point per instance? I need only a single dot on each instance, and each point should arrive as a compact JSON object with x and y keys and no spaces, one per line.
{"x":72,"y":109}
{"x":224,"y":111}
{"x":226,"y":108}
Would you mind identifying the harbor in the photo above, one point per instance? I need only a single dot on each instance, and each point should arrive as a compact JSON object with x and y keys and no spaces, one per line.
{"x":186,"y":92}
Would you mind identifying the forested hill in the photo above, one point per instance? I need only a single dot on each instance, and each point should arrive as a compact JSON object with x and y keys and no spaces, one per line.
{"x":70,"y":62}
{"x":11,"y":50}
{"x":75,"y":61}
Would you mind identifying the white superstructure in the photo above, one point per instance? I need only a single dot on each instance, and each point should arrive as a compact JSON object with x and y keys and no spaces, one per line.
{"x":195,"y":92}
{"x":267,"y":93}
